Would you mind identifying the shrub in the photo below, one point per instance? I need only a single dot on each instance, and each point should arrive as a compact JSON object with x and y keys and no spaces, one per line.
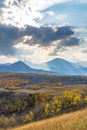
{"x":28,"y":117}
{"x":59,"y":84}
{"x":53,"y":108}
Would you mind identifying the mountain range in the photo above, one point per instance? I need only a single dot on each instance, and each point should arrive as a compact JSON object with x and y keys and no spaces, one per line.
{"x":21,"y":67}
{"x":55,"y":66}
{"x":66,"y":68}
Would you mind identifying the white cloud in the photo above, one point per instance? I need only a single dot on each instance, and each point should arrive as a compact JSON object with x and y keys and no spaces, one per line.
{"x":44,"y":4}
{"x":85,"y":39}
{"x":15,"y":15}
{"x":70,"y":54}
{"x":26,"y":11}
{"x":50,"y":13}
{"x":32,"y":53}
{"x":7,"y":59}
{"x":80,"y":29}
{"x":61,"y":17}
{"x":82,"y":1}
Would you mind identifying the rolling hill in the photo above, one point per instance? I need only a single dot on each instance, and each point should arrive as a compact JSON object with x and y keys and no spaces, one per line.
{"x":72,"y":121}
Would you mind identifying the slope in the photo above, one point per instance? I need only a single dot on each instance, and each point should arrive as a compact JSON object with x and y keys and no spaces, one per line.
{"x":21,"y":67}
{"x":72,"y":121}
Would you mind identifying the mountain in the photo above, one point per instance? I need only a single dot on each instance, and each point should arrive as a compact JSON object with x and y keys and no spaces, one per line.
{"x":42,"y":66}
{"x":62,"y":66}
{"x":83,"y":63}
{"x":21,"y":67}
{"x":56,"y":66}
{"x":83,"y":70}
{"x":15,"y":67}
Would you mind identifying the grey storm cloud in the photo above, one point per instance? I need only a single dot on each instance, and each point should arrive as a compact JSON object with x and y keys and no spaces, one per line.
{"x":15,"y":2}
{"x":8,"y":36}
{"x":19,"y":0}
{"x":41,"y":36}
{"x":44,"y":36}
{"x":69,"y":42}
{"x":2,"y":4}
{"x":64,"y":44}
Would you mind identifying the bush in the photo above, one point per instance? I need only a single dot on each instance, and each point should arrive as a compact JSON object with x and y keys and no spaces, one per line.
{"x":71,"y":100}
{"x":59,"y":84}
{"x":53,"y":108}
{"x":28,"y":117}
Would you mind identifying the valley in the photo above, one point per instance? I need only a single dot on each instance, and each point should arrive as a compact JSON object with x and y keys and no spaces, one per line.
{"x":43,"y":65}
{"x":27,"y":97}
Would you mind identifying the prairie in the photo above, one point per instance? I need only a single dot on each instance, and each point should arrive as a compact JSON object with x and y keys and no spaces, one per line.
{"x":71,"y":121}
{"x":28,"y":98}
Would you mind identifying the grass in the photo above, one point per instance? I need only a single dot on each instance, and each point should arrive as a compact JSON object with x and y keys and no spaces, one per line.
{"x":71,"y":121}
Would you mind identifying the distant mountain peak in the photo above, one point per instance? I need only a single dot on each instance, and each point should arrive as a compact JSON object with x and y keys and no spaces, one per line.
{"x":55,"y":66}
{"x":60,"y":59}
{"x":19,"y":62}
{"x":20,"y":65}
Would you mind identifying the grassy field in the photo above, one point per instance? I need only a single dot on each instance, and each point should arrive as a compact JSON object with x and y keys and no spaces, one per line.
{"x":21,"y":94}
{"x":72,"y":121}
{"x":30,"y":83}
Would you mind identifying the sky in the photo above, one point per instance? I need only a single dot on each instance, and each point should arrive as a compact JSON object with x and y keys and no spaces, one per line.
{"x":40,"y":30}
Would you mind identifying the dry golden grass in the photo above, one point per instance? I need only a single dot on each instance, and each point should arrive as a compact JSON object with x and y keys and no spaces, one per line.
{"x":72,"y":121}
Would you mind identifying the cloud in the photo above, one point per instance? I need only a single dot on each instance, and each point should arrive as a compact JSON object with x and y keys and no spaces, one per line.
{"x":84,"y":50}
{"x":61,"y":17}
{"x":24,"y":49}
{"x":70,"y":42}
{"x":8,"y":36}
{"x":26,"y":12}
{"x":7,"y":59}
{"x":2,"y":6}
{"x":45,"y":36}
{"x":22,"y":30}
{"x":65,"y":44}
{"x":80,"y":29}
{"x":2,"y":3}
{"x":82,"y":1}
{"x":44,"y":4}
{"x":18,"y":13}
